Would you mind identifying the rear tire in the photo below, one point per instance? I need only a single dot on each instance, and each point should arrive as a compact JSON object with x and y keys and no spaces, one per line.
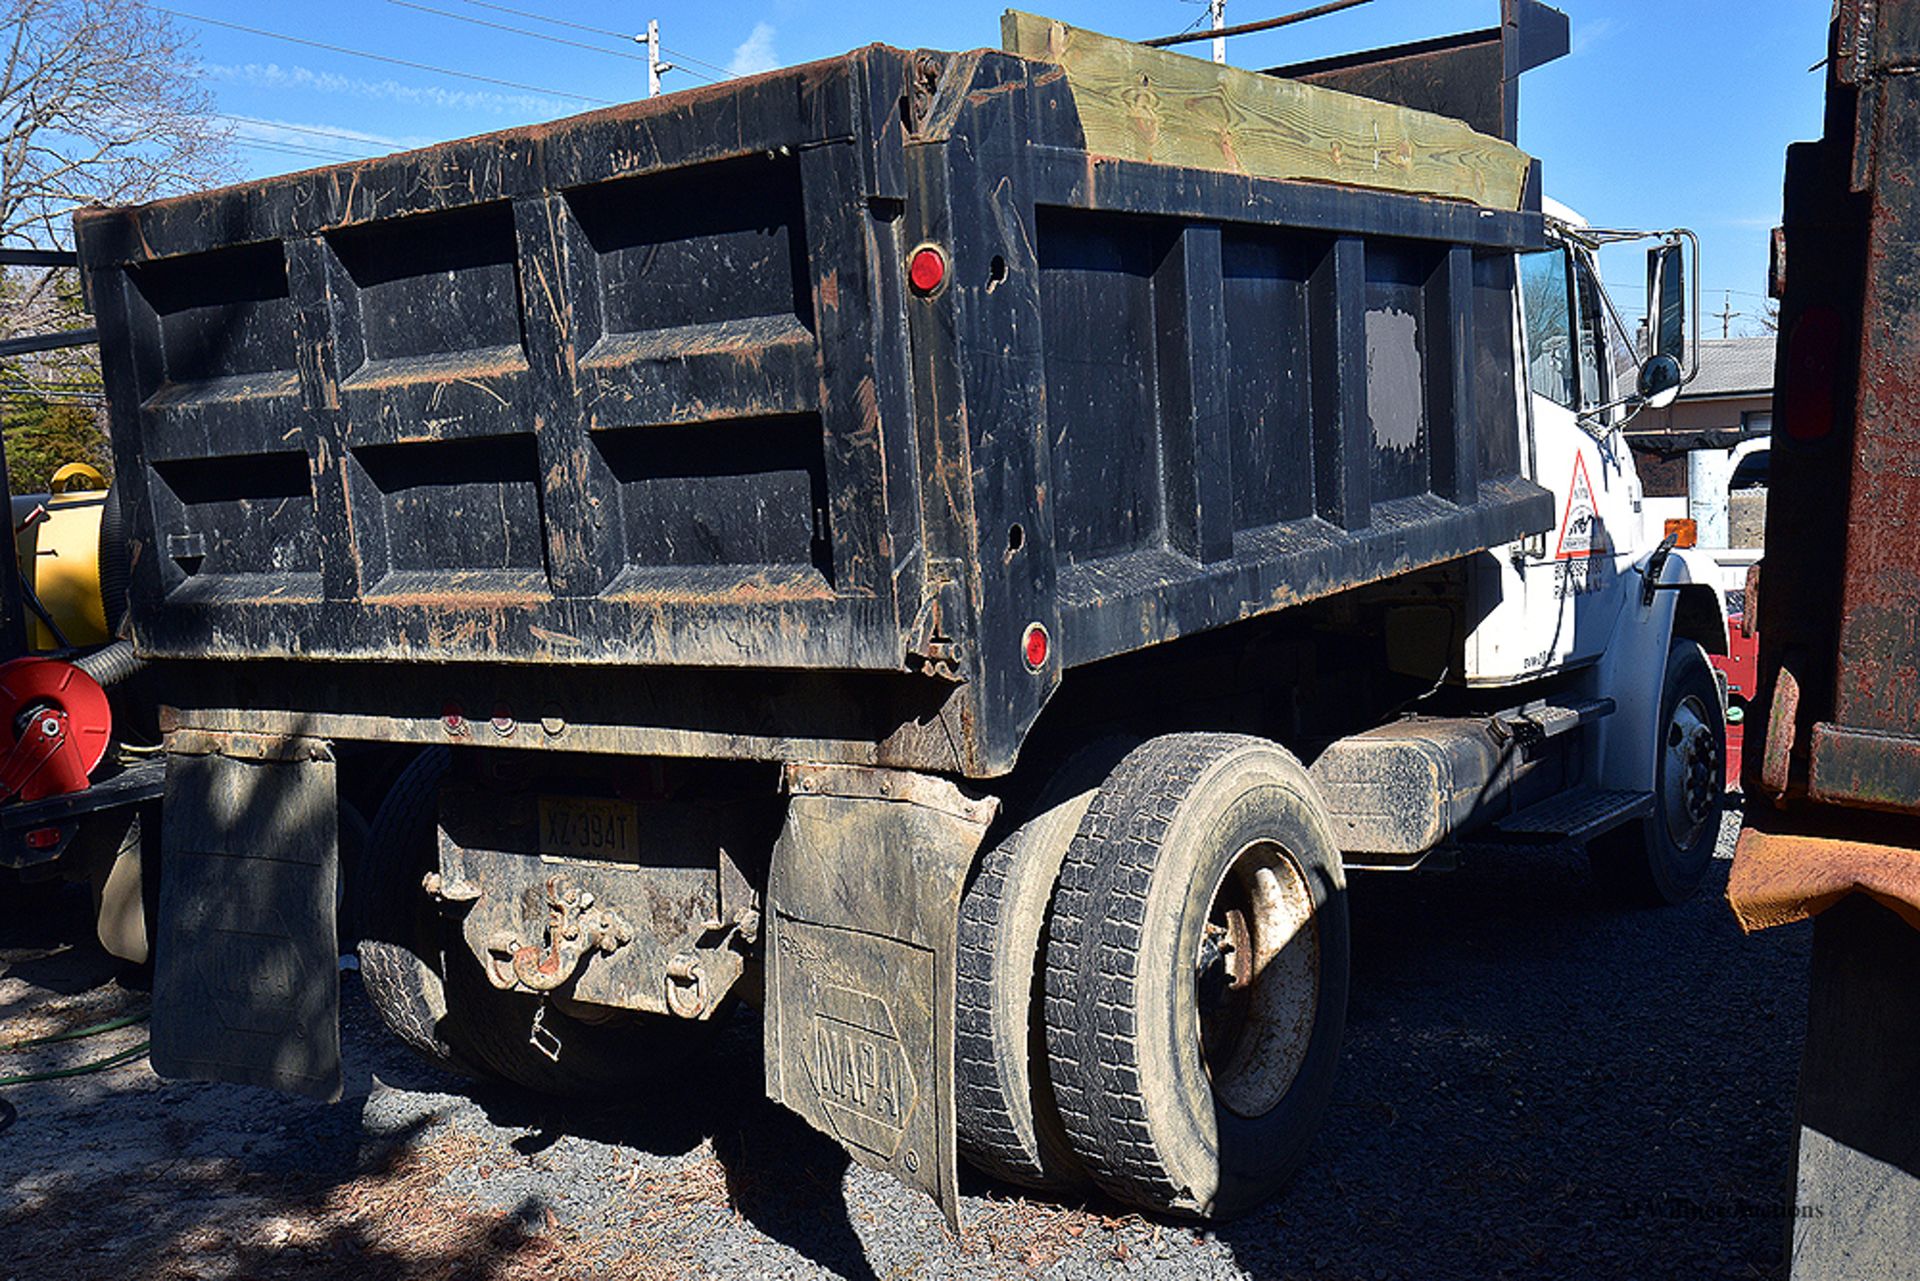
{"x":1009,"y":1126}
{"x":1663,"y":858}
{"x":401,"y":931}
{"x":1197,"y":975}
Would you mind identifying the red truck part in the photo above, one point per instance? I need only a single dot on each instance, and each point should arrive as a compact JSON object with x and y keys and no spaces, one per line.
{"x":1833,"y":789}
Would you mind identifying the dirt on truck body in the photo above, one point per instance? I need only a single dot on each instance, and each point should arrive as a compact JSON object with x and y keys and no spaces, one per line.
{"x":881,"y":539}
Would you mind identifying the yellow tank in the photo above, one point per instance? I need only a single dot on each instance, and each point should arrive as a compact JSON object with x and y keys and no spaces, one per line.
{"x":57,"y":538}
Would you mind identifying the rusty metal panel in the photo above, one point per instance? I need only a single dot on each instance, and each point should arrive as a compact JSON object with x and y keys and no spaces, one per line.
{"x":1839,"y":623}
{"x":1781,"y":875}
{"x":1878,"y":675}
{"x":1869,"y":768}
{"x":864,"y":907}
{"x":635,"y":915}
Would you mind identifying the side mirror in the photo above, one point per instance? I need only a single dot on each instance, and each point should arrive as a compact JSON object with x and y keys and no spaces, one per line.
{"x":1660,"y":380}
{"x":1667,"y":301}
{"x":1664,"y":371}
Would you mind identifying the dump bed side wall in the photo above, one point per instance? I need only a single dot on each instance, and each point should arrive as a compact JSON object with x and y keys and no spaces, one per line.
{"x":1191,"y":397}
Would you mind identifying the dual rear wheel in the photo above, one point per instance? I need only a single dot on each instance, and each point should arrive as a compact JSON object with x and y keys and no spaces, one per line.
{"x":1171,"y":1030}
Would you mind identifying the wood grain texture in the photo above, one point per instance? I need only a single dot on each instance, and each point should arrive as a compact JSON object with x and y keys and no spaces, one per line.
{"x":1137,"y":103}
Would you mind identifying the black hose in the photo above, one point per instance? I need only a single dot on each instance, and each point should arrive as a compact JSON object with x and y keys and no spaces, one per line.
{"x":111,"y":664}
{"x":115,"y":563}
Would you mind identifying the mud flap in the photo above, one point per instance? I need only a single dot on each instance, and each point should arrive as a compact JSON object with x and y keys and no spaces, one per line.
{"x":865,"y":903}
{"x":246,"y":984}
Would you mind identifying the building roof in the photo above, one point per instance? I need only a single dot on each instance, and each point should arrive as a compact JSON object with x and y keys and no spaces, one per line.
{"x":1732,"y":367}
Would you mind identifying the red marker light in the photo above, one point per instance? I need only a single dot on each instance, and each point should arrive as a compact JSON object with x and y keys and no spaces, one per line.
{"x":927,"y":270}
{"x":1035,"y":644}
{"x":43,"y":838}
{"x":1814,"y":353}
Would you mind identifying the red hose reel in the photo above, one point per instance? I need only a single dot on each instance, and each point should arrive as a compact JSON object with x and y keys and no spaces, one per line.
{"x":54,"y":726}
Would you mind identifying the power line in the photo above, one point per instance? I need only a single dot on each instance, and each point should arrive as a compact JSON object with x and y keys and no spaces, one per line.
{"x":294,"y":146}
{"x":341,"y":135}
{"x":680,"y":56}
{"x":622,"y":36}
{"x":536,"y":35}
{"x":519,"y":31}
{"x":558,"y":22}
{"x":293,"y":149}
{"x":381,"y":57}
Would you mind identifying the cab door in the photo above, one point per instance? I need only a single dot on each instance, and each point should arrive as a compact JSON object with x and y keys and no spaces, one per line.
{"x":1551,"y":602}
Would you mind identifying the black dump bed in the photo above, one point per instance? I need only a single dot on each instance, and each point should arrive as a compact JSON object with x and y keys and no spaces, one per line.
{"x":650,"y":387}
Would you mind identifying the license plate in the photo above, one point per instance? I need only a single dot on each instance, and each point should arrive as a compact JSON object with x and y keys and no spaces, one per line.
{"x":589,"y":827}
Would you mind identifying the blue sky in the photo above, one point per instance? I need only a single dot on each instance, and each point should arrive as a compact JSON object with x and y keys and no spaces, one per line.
{"x":1668,"y":113}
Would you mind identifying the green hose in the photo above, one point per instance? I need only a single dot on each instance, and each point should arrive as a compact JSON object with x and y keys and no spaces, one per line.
{"x":101,"y":1065}
{"x":74,"y":1034}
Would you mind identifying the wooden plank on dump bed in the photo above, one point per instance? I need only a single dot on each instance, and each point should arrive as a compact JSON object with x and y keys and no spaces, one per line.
{"x":1137,"y":103}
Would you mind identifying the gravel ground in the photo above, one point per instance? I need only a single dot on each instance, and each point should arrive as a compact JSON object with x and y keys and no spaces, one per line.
{"x":1533,"y":1086}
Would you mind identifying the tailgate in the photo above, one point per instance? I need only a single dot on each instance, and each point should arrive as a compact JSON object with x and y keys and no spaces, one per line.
{"x":603,"y":390}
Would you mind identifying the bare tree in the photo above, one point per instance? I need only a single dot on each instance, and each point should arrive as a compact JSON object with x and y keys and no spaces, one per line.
{"x":100,"y":102}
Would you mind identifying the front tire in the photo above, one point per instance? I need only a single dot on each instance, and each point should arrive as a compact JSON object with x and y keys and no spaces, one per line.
{"x":1663,"y":858}
{"x":1197,"y":975}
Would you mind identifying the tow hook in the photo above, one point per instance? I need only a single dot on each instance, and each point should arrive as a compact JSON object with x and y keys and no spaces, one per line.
{"x":576,"y":929}
{"x":686,"y":986}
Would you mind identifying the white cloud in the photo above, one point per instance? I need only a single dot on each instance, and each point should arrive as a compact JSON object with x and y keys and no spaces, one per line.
{"x":271,"y":75}
{"x":1587,"y":34}
{"x":755,"y":54}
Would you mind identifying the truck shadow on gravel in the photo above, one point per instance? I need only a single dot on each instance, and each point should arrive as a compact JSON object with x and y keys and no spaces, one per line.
{"x":1534,"y":1085}
{"x":349,"y":1210}
{"x":773,"y":1170}
{"x":1538,"y":1084}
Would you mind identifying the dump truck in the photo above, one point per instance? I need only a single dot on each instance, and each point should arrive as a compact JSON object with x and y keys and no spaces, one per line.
{"x":1832,"y":769}
{"x":961,"y":551}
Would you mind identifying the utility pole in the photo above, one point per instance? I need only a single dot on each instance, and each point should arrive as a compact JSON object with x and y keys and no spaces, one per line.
{"x":1727,"y":315}
{"x":1217,"y":10}
{"x":654,"y":66}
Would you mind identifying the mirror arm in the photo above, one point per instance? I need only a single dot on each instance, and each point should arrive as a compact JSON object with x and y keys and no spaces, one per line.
{"x":1593,"y":421}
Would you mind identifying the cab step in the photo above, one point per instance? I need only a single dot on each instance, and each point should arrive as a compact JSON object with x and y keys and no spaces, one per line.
{"x":1577,"y":814}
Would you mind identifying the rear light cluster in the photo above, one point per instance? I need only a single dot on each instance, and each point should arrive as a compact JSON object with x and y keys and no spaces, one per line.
{"x":1815,"y":349}
{"x":1036,"y":645}
{"x":927,"y":270}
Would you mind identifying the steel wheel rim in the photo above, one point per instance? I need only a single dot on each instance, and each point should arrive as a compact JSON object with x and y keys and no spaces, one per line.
{"x":1689,"y":771}
{"x":1257,"y":979}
